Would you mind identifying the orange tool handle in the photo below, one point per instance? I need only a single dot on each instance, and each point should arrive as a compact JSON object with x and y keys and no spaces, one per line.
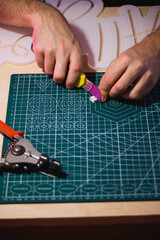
{"x":8,"y":131}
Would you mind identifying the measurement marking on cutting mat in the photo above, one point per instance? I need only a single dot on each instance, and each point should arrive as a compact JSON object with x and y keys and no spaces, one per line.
{"x":109,"y":156}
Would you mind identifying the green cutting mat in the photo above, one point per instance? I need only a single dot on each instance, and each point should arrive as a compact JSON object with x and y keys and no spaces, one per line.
{"x":111,"y":151}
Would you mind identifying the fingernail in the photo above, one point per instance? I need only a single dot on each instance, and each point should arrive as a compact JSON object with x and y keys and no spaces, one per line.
{"x":103,"y":99}
{"x":57,"y":81}
{"x":69,"y":87}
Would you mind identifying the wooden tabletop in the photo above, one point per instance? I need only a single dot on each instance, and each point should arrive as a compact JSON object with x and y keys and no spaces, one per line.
{"x":57,"y":212}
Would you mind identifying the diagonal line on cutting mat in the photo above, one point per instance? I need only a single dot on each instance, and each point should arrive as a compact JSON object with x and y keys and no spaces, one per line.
{"x":151,"y":168}
{"x":77,"y":145}
{"x":100,"y":170}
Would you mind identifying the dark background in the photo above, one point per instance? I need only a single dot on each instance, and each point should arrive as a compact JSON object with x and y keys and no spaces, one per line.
{"x":139,"y":229}
{"x":114,"y":3}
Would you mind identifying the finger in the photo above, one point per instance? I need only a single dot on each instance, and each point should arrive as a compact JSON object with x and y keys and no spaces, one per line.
{"x":49,"y":61}
{"x":75,"y":68}
{"x":60,"y":69}
{"x":141,"y":87}
{"x":113,"y":73}
{"x":132,"y":73}
{"x":39,"y":56}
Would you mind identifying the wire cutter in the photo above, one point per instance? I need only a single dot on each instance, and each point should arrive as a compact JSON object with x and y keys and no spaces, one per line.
{"x":21,"y":157}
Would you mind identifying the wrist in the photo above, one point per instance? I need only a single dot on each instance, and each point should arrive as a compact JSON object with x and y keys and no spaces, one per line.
{"x":21,"y":13}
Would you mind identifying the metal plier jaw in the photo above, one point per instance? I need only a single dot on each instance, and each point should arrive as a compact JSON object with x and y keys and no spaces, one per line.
{"x":21,"y":157}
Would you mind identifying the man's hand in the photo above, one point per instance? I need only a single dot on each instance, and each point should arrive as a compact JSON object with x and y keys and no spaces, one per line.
{"x":134,"y":72}
{"x":55,"y":46}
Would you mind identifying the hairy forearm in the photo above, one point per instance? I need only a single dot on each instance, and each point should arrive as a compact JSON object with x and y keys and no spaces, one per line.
{"x":152,"y":42}
{"x":16,"y":12}
{"x":24,"y":13}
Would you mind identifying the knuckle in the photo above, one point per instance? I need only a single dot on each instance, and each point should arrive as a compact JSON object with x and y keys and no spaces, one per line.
{"x":105,"y":84}
{"x":139,"y":65}
{"x":49,"y":50}
{"x":75,"y":68}
{"x":125,"y":57}
{"x":119,"y":87}
{"x":59,"y":77}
